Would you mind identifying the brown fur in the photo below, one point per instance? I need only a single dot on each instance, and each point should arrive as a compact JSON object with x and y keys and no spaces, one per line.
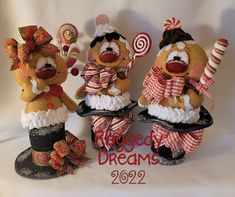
{"x":197,"y":63}
{"x":27,"y":71}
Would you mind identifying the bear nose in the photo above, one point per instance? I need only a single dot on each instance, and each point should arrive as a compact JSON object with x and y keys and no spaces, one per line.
{"x":176,"y":58}
{"x":109,"y":49}
{"x":48,"y":65}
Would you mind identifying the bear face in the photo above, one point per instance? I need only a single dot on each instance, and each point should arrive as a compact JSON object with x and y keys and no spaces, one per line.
{"x":182,"y":59}
{"x":110,"y":53}
{"x":52,"y":70}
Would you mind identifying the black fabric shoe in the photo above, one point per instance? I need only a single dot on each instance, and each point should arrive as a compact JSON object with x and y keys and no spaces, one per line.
{"x":165,"y":156}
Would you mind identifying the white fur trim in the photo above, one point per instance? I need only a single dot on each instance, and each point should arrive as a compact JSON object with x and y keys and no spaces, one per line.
{"x":180,"y":45}
{"x":168,"y":47}
{"x":141,"y":105}
{"x":174,"y":115}
{"x":106,"y":102}
{"x":35,"y":87}
{"x":101,"y":30}
{"x":44,"y":118}
{"x":115,"y":90}
{"x":190,"y":42}
{"x":187,"y":104}
{"x":127,"y":46}
{"x":160,"y":52}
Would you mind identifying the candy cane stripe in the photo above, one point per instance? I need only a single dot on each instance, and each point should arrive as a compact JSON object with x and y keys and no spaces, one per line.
{"x":214,"y":60}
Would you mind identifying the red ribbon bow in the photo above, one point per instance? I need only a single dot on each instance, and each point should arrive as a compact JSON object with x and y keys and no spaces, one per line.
{"x":203,"y":89}
{"x":97,"y":78}
{"x":67,"y":154}
{"x":158,"y":88}
{"x":36,"y":39}
{"x":54,"y":90}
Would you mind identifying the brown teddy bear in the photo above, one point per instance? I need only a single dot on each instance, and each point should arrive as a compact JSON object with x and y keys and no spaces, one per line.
{"x":173,"y":94}
{"x":39,"y":70}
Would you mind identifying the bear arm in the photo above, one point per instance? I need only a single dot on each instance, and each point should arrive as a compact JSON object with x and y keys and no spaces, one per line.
{"x":69,"y":103}
{"x":121,"y":84}
{"x":27,"y":94}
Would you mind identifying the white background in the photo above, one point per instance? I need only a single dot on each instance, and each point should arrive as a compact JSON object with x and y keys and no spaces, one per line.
{"x":209,"y":171}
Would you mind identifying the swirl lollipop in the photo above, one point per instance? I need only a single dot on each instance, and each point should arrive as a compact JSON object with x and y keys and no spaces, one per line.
{"x":141,"y":46}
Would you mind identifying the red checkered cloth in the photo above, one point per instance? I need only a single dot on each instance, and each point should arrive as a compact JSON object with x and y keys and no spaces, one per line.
{"x":108,"y":128}
{"x":176,"y":141}
{"x":158,"y":88}
{"x":97,"y":78}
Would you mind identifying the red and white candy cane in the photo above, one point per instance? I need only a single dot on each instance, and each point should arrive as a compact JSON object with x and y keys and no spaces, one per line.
{"x":210,"y":69}
{"x":214,"y":60}
{"x":141,"y":46}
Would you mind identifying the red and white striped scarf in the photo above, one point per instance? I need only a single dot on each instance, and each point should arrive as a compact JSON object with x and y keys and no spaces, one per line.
{"x":158,"y":88}
{"x":97,"y":78}
{"x":176,"y":141}
{"x":108,"y":128}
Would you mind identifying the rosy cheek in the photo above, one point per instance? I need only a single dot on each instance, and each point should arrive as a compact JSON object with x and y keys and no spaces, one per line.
{"x":196,"y":72}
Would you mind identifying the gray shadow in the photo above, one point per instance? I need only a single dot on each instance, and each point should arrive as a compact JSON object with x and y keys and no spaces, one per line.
{"x":217,"y":139}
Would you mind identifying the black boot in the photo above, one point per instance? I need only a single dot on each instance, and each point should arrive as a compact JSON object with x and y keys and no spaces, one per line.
{"x":165,"y":155}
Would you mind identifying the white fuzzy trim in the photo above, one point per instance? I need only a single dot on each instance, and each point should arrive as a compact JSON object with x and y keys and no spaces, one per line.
{"x":174,"y":115}
{"x":180,"y":45}
{"x":35,"y":87}
{"x":168,"y":47}
{"x":115,"y":90}
{"x":101,"y":30}
{"x":127,"y":46}
{"x":187,"y":104}
{"x":190,"y":42}
{"x":44,"y":118}
{"x":106,"y":102}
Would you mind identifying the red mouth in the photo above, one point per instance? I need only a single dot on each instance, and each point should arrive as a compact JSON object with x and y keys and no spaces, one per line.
{"x":46,"y":73}
{"x":176,"y":66}
{"x":108,"y":57}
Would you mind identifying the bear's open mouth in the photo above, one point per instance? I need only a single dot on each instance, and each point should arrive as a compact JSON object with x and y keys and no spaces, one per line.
{"x":176,"y":66}
{"x":108,"y":56}
{"x":46,"y":72}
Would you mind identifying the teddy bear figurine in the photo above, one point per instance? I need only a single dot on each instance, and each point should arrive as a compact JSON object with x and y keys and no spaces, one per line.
{"x":174,"y":90}
{"x":39,"y":70}
{"x":105,"y":91}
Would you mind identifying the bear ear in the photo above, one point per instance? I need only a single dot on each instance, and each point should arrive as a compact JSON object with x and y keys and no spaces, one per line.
{"x":11,"y":48}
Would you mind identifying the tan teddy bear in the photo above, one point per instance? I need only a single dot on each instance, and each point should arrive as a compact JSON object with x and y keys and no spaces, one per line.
{"x":170,"y":94}
{"x":40,"y":71}
{"x":106,"y":82}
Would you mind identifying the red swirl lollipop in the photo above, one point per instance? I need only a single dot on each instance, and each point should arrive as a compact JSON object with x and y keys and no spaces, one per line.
{"x":141,"y":46}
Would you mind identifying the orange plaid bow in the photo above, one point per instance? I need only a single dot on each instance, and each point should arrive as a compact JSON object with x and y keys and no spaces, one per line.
{"x":36,"y":39}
